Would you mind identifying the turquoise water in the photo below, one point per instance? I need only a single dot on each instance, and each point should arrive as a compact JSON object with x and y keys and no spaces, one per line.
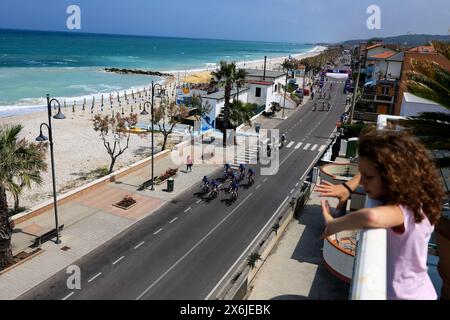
{"x":68,"y":65}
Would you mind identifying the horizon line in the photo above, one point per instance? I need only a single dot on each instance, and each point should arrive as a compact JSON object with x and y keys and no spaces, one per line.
{"x":153,"y":36}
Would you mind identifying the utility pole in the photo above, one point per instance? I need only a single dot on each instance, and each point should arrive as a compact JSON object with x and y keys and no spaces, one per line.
{"x":355,"y":92}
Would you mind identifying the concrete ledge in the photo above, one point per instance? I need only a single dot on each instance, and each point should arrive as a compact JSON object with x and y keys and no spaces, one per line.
{"x":64,"y":198}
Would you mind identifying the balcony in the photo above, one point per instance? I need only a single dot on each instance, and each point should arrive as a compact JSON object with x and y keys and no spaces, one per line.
{"x":372,"y":97}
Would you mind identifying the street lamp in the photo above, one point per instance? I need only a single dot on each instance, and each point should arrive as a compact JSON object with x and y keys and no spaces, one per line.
{"x":144,"y":112}
{"x":41,"y":138}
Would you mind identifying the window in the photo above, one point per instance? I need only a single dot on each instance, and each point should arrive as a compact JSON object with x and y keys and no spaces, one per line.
{"x":258,"y":92}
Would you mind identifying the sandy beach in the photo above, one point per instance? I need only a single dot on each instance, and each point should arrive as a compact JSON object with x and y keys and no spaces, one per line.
{"x":78,"y":148}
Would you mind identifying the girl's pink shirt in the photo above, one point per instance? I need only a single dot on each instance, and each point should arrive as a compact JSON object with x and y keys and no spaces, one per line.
{"x":407,"y":251}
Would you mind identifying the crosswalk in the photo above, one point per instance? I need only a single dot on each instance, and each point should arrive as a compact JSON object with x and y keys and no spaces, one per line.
{"x":249,"y":156}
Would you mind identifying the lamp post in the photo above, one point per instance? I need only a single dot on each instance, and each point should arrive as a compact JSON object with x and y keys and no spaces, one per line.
{"x":41,"y":138}
{"x":144,"y":112}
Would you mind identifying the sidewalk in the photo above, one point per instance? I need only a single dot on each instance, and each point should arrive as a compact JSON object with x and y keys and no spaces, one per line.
{"x":294,"y":270}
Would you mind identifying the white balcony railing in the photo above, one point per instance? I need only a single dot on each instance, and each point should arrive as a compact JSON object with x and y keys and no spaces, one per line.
{"x":369,"y":270}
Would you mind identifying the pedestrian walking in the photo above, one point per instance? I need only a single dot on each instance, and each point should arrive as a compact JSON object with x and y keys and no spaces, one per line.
{"x":188,"y":163}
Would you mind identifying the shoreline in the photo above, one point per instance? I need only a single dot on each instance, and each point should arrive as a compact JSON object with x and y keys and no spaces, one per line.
{"x":178,"y":76}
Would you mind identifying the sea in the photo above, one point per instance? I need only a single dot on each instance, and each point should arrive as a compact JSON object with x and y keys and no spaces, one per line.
{"x":70,"y":66}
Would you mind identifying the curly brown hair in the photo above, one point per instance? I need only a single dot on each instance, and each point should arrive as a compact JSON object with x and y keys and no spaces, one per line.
{"x":407,"y":170}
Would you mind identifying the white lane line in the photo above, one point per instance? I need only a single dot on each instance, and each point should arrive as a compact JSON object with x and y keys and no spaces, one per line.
{"x":322,"y":147}
{"x":173,"y":219}
{"x":187,"y":209}
{"x":95,"y":277}
{"x":118,"y":260}
{"x":307,"y":146}
{"x":198,"y":201}
{"x":193,"y":248}
{"x":291,"y":191}
{"x":264,"y":179}
{"x":298,"y":145}
{"x":296,"y":184}
{"x":246,"y":249}
{"x":158,"y":231}
{"x":68,"y":296}
{"x":290,"y":144}
{"x":258,"y":186}
{"x":314,"y":147}
{"x":140,"y":244}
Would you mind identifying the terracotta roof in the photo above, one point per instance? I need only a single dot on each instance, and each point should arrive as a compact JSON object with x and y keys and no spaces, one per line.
{"x":422,"y":49}
{"x":383,"y":55}
{"x":374,"y":46}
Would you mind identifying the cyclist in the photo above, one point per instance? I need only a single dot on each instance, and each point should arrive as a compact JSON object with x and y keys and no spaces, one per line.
{"x":242,"y":170}
{"x":234,"y":177}
{"x":251,"y":174}
{"x":283,"y":139}
{"x":215,"y":186}
{"x":234,"y":187}
{"x":205,"y":184}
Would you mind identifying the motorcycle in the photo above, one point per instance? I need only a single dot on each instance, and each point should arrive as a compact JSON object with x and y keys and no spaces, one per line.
{"x":234,"y":195}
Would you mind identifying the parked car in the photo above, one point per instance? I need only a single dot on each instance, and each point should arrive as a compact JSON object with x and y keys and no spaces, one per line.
{"x":299,"y":92}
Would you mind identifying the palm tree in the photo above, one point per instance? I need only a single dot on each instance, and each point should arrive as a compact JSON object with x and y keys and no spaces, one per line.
{"x":430,"y":81}
{"x":19,"y":161}
{"x":241,"y":113}
{"x":226,"y":76}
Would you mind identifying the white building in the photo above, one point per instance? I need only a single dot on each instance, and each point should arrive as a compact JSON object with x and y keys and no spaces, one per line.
{"x":413,"y":105}
{"x":265,"y":87}
{"x":217,"y":102}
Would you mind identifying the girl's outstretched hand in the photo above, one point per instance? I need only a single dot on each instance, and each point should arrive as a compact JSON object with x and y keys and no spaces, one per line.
{"x":328,"y":218}
{"x":328,"y":189}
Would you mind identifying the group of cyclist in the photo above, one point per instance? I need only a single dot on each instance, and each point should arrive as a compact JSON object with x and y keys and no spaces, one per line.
{"x":235,"y":177}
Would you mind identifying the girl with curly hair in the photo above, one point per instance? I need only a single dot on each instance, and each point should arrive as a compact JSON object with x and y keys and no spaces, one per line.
{"x":398,"y":170}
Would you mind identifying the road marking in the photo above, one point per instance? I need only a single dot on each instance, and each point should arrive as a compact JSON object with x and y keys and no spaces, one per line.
{"x":322,"y":147}
{"x":193,"y":248}
{"x":298,"y":145}
{"x":94,"y":277}
{"x":140,"y":244}
{"x":187,"y":209}
{"x":258,"y":186}
{"x":296,"y":184}
{"x":307,"y":146}
{"x":245,"y":251}
{"x":292,"y":191}
{"x":69,"y":295}
{"x":314,"y":147}
{"x":118,"y":259}
{"x":198,"y":201}
{"x":290,"y":144}
{"x":158,"y":231}
{"x":264,"y":179}
{"x":173,"y":219}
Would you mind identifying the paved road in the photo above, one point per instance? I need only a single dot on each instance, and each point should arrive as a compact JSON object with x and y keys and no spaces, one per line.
{"x":183,"y":250}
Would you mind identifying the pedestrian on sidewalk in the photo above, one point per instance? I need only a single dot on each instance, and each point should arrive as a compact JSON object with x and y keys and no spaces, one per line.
{"x":188,"y":163}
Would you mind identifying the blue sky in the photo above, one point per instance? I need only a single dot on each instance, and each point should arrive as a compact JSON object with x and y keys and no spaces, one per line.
{"x":260,"y":20}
